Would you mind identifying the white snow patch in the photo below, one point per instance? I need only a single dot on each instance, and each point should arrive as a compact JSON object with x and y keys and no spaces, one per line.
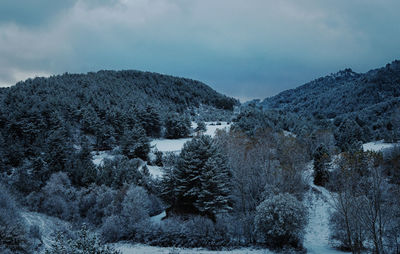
{"x":157,"y":218}
{"x":98,"y":157}
{"x":289,"y":134}
{"x":126,"y":248}
{"x":155,"y":171}
{"x":212,"y":127}
{"x":169,"y":145}
{"x":378,"y":146}
{"x":176,"y":145}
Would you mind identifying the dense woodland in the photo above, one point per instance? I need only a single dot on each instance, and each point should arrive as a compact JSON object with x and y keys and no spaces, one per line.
{"x":246,"y":186}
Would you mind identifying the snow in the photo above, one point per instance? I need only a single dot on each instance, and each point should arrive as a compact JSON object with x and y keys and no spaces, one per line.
{"x":378,"y":146}
{"x":157,"y":218}
{"x":289,"y":134}
{"x":169,"y":145}
{"x":155,"y":171}
{"x":127,"y":248}
{"x":176,"y":145}
{"x":212,"y":127}
{"x":98,"y":157}
{"x":48,"y":227}
{"x":316,"y":239}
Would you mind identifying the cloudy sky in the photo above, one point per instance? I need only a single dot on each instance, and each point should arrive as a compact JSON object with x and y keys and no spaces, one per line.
{"x":243,"y":48}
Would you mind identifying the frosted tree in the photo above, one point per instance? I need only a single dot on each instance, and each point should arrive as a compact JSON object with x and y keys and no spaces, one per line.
{"x":199,"y":182}
{"x":280,"y":220}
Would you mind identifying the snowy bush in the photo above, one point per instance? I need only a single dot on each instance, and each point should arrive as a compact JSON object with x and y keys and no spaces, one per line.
{"x":194,"y":232}
{"x":125,"y":217}
{"x":58,"y":197}
{"x":85,"y":243}
{"x":280,"y":221}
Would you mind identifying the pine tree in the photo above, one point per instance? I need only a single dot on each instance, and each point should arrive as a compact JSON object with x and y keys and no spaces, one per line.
{"x":321,"y":158}
{"x":135,"y":143}
{"x":199,"y":182}
{"x":177,"y":126}
{"x":201,"y":126}
{"x":215,"y":189}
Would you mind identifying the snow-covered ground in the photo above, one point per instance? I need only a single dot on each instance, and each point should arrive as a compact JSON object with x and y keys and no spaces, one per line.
{"x":175,"y":145}
{"x":155,"y":171}
{"x":48,"y":227}
{"x":127,"y":248}
{"x":378,"y":146}
{"x":169,"y":145}
{"x":316,"y":239}
{"x":212,"y":127}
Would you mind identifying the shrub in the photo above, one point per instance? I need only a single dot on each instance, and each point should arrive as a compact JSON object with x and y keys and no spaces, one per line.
{"x":58,"y":198}
{"x":280,"y":221}
{"x":125,"y":217}
{"x":194,"y":232}
{"x":85,"y":243}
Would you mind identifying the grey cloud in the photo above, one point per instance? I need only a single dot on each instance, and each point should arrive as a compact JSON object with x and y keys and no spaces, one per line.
{"x":243,"y":48}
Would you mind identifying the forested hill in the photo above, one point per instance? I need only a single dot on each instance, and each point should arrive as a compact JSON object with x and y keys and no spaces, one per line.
{"x":341,"y":93}
{"x":100,"y":106}
{"x":368,"y":104}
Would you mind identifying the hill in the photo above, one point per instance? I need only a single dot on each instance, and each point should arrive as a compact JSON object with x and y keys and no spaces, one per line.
{"x":365,"y":104}
{"x":99,"y":109}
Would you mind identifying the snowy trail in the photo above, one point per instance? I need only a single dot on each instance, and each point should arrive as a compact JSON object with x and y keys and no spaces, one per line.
{"x":316,"y":239}
{"x":48,"y":226}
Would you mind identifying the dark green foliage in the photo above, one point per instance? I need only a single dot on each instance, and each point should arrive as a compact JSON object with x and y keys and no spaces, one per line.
{"x":82,"y":171}
{"x":200,"y":182}
{"x":201,"y":126}
{"x":177,"y":126}
{"x":159,"y":158}
{"x":151,"y":121}
{"x":114,"y":173}
{"x":134,"y":143}
{"x":321,"y":159}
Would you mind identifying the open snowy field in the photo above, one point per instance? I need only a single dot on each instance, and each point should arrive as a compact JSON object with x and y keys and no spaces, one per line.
{"x":145,"y":249}
{"x":175,"y":145}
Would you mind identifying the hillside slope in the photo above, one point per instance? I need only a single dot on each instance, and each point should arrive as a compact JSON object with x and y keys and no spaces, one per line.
{"x":42,"y":115}
{"x":367,"y":105}
{"x":341,"y":93}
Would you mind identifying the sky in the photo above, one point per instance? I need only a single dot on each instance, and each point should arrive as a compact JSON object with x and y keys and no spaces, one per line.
{"x":243,"y":48}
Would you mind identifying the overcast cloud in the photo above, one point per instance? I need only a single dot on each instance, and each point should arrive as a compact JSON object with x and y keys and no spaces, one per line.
{"x":247,"y":49}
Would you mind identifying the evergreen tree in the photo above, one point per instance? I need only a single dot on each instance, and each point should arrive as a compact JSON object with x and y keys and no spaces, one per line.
{"x":199,"y":183}
{"x":321,"y":158}
{"x":177,"y":126}
{"x":82,"y":171}
{"x":201,"y":126}
{"x":135,"y":144}
{"x":58,"y":151}
{"x":151,"y":122}
{"x":215,"y":189}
